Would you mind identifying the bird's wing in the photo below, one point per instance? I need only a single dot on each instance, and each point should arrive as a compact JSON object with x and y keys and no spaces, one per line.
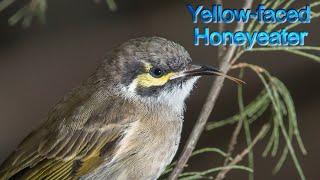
{"x":81,"y":133}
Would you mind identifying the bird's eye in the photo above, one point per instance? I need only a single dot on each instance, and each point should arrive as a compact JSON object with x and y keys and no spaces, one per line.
{"x":156,"y":72}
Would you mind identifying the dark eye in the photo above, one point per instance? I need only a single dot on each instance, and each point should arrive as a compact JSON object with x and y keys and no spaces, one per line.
{"x":156,"y":72}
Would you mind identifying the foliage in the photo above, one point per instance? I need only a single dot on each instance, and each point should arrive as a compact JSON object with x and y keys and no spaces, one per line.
{"x":274,"y":98}
{"x":35,"y":8}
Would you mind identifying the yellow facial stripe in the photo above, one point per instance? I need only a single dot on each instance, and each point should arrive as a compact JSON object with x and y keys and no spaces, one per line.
{"x":146,"y":80}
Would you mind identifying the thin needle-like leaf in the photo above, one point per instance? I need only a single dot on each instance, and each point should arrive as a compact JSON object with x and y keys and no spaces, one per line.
{"x":283,"y":130}
{"x":246,"y":125}
{"x":257,"y":106}
{"x":308,"y":55}
{"x":205,"y":150}
{"x":293,"y":50}
{"x":275,"y":102}
{"x":286,"y":48}
{"x":197,"y":175}
{"x":5,"y":3}
{"x":314,"y":15}
{"x":112,"y":5}
{"x":271,"y":139}
{"x":291,"y":111}
{"x":253,"y":23}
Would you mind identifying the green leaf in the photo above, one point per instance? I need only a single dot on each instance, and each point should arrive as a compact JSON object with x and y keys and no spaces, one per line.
{"x":293,"y":50}
{"x":293,"y":126}
{"x":253,"y":23}
{"x":197,"y":175}
{"x":18,"y":16}
{"x":276,"y":48}
{"x":5,"y":3}
{"x":246,"y":125}
{"x":304,"y":54}
{"x":274,"y":135}
{"x":112,"y":5}
{"x":26,"y":14}
{"x":252,"y":110}
{"x":277,"y":104}
{"x":206,"y":150}
{"x":282,"y":127}
{"x":284,"y":92}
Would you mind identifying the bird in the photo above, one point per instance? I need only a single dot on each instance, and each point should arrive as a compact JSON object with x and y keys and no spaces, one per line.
{"x":123,"y":122}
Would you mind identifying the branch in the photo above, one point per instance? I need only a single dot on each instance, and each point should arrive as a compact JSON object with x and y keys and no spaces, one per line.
{"x":221,"y":175}
{"x":233,"y":141}
{"x":208,"y":106}
{"x":221,"y":49}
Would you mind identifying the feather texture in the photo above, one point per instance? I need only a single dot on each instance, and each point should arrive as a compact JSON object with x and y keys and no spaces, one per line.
{"x":74,"y":139}
{"x":108,"y":128}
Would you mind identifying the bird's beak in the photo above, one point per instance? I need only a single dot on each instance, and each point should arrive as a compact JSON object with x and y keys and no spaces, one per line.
{"x":200,"y":70}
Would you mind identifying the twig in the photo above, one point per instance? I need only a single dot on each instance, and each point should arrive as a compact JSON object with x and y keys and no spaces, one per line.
{"x":233,"y":141}
{"x":246,"y":125}
{"x":221,"y":175}
{"x":256,"y":68}
{"x":207,"y":107}
{"x":221,"y":49}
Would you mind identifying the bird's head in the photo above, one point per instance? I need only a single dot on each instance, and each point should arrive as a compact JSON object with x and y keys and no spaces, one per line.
{"x":155,"y":70}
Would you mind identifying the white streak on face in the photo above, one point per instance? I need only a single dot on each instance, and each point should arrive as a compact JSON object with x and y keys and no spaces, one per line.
{"x":177,"y":96}
{"x":174,"y":97}
{"x":132,"y":86}
{"x":129,"y":92}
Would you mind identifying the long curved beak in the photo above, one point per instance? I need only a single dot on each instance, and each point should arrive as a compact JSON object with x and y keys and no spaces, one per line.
{"x":201,"y":70}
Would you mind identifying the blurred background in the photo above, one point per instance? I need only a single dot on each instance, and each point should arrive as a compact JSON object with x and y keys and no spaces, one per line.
{"x":39,"y":64}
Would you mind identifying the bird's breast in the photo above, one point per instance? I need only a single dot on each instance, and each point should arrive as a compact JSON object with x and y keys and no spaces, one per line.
{"x":147,"y":147}
{"x":152,"y":144}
